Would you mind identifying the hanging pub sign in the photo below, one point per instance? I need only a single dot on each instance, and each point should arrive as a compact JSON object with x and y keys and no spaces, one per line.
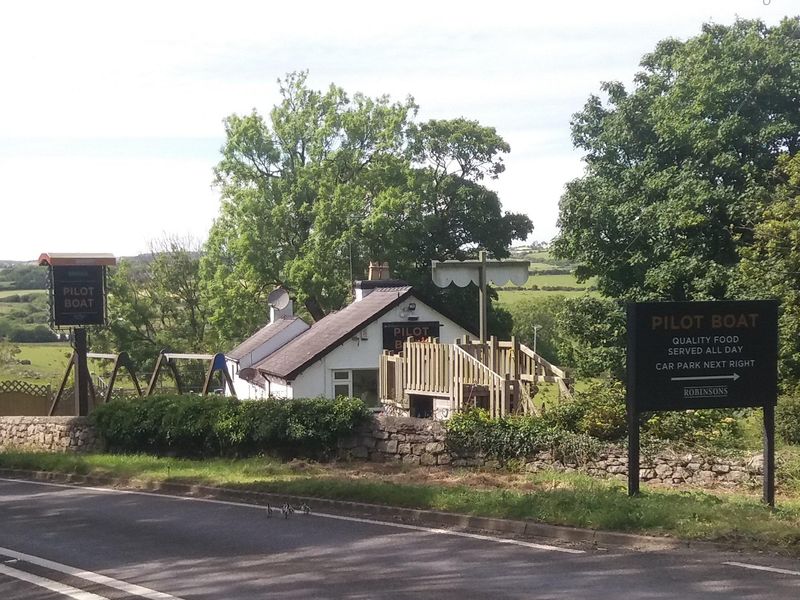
{"x":394,"y":334}
{"x":77,"y":288}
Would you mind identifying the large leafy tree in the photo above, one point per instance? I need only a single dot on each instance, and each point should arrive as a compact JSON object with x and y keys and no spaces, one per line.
{"x":157,"y":303}
{"x":770,"y":267}
{"x":678,"y":168}
{"x":330,"y":181}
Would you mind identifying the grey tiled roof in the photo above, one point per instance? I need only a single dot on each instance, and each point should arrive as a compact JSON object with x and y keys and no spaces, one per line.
{"x":329,"y":332}
{"x":259,"y":337}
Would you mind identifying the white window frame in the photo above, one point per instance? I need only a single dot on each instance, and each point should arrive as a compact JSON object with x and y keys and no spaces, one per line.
{"x":348,"y":381}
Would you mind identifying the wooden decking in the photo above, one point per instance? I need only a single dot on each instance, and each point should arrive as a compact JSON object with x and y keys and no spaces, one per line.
{"x":499,"y":376}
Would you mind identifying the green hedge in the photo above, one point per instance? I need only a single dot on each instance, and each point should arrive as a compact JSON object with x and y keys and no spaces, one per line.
{"x":515,"y":438}
{"x":577,"y":430}
{"x":218,"y":426}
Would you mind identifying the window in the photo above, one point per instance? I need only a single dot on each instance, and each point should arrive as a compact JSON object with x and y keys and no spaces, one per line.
{"x":358,"y":383}
{"x":365,"y":386}
{"x":342,"y":384}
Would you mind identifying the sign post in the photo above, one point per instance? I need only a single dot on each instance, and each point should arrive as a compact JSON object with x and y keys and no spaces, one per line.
{"x":481,"y":272}
{"x":78,"y":300}
{"x":695,"y":355}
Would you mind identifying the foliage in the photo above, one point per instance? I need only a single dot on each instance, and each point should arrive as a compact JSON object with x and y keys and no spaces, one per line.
{"x":591,"y":336}
{"x":678,"y":169}
{"x":213,"y":425}
{"x":541,"y":312}
{"x":719,"y":429}
{"x":21,"y":332}
{"x":515,"y":437}
{"x":770,"y":268}
{"x":787,"y":419}
{"x":156,"y":304}
{"x":603,"y":415}
{"x":329,"y":181}
{"x":23,"y":277}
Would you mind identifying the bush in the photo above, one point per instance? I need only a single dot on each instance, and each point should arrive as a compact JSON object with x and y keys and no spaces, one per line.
{"x":213,"y":425}
{"x":599,"y":412}
{"x":515,"y":437}
{"x":712,"y":428}
{"x":787,"y":419}
{"x":604,"y":413}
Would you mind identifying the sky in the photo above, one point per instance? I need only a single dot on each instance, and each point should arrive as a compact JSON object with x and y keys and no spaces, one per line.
{"x":111,"y":113}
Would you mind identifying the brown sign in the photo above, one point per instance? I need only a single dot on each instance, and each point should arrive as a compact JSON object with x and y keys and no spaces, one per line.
{"x":394,"y":334}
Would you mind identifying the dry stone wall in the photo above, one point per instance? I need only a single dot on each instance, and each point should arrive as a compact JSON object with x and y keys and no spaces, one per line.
{"x":48,"y":434}
{"x":423,"y":442}
{"x":413,"y":441}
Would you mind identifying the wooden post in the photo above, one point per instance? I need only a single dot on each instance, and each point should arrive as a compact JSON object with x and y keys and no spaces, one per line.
{"x":769,"y":454}
{"x":482,"y":294}
{"x":515,"y":358}
{"x":81,"y":373}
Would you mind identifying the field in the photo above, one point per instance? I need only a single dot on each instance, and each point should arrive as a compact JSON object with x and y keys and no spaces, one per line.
{"x":4,"y":293}
{"x":48,"y":362}
{"x":549,"y":283}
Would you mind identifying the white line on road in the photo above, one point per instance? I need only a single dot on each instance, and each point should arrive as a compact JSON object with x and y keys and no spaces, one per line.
{"x":49,"y":584}
{"x":761,"y":568}
{"x":124,"y":586}
{"x":318,"y":514}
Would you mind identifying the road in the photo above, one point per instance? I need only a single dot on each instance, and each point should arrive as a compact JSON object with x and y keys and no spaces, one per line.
{"x":60,"y":542}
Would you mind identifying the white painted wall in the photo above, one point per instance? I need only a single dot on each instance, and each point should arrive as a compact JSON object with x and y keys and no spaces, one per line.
{"x":317,"y":379}
{"x":244,"y":389}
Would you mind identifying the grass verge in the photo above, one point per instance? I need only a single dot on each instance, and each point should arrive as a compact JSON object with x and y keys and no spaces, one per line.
{"x":547,"y":497}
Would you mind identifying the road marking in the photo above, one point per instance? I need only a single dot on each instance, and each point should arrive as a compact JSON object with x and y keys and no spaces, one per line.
{"x":124,"y":586}
{"x":762,"y":568}
{"x":420,"y":528}
{"x":734,"y":377}
{"x":53,"y":586}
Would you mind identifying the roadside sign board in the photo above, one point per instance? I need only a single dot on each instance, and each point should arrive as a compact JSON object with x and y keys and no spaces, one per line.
{"x":689,"y":355}
{"x":78,"y":296}
{"x":394,"y":334}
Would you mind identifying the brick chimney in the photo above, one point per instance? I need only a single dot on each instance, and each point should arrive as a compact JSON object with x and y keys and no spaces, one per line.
{"x":378,"y":271}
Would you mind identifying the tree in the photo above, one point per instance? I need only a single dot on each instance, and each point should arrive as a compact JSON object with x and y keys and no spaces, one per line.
{"x":770,"y":267}
{"x":542,"y":314}
{"x":156,"y":304}
{"x":590,"y":336}
{"x":678,"y":169}
{"x":329,"y":182}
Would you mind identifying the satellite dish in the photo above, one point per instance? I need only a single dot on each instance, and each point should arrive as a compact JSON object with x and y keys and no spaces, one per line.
{"x":278,"y":298}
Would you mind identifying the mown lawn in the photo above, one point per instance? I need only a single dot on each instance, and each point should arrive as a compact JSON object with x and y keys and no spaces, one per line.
{"x":548,"y":497}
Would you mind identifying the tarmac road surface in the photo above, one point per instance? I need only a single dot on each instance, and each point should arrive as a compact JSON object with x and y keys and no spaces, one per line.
{"x":59,"y":541}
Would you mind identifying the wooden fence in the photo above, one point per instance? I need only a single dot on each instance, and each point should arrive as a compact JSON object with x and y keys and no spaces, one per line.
{"x":20,"y":398}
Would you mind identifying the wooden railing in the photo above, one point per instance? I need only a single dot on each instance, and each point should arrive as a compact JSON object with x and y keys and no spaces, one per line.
{"x":498,"y":376}
{"x":470,"y":376}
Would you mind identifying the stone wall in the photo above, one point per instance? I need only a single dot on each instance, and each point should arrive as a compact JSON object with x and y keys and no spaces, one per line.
{"x":416,"y":442}
{"x":48,"y":434}
{"x":423,"y":442}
